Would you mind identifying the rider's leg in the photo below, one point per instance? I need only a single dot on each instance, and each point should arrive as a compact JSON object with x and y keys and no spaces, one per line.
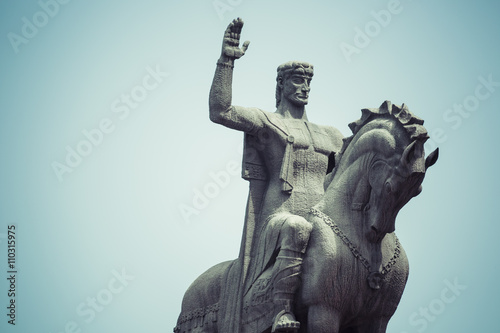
{"x":294,"y":236}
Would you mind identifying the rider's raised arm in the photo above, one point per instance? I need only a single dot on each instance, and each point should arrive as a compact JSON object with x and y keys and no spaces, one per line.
{"x":221,"y":110}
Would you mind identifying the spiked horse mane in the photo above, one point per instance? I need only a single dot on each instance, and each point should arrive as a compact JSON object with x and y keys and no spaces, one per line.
{"x":411,"y":123}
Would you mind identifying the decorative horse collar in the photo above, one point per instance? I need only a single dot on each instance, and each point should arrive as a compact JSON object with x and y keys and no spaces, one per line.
{"x":374,"y":278}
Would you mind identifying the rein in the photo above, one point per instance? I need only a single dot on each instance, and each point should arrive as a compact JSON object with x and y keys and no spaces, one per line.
{"x":374,"y":278}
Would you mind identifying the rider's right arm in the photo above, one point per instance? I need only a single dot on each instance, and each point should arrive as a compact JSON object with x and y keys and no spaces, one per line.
{"x":222,"y":112}
{"x":248,"y":120}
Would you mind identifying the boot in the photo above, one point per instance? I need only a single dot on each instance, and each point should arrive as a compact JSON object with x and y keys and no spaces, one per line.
{"x":287,"y":271}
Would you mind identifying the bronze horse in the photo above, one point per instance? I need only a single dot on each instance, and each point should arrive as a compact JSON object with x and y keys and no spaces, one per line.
{"x":355,"y":269}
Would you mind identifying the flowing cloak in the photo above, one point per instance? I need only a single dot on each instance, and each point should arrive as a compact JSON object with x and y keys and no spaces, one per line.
{"x":231,"y":299}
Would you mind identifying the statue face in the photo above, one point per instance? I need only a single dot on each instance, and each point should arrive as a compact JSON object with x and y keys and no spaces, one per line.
{"x":296,"y":89}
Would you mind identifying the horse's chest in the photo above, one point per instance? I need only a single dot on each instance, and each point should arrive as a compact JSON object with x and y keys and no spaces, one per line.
{"x":343,"y":282}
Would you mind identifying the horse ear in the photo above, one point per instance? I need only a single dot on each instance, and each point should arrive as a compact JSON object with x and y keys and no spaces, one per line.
{"x":432,"y":158}
{"x":407,"y":156}
{"x":412,"y":157}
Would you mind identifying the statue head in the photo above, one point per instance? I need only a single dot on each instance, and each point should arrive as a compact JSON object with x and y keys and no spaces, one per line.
{"x":392,"y":140}
{"x":292,"y":82}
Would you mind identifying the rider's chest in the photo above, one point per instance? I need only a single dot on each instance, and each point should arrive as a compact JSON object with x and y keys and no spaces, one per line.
{"x":305,"y":135}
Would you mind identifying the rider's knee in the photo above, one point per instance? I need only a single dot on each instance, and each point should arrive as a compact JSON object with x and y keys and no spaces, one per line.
{"x":297,"y":224}
{"x":297,"y":230}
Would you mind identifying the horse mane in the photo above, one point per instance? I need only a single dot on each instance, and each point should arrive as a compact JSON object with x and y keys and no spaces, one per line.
{"x":411,"y":123}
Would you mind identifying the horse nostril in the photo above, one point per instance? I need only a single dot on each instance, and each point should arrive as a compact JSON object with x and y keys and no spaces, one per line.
{"x":373,"y":234}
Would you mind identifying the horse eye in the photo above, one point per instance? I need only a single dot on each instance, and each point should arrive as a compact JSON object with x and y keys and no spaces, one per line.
{"x":388,"y":187}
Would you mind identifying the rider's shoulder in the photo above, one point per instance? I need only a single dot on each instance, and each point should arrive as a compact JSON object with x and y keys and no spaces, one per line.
{"x":333,"y":131}
{"x":330,"y":131}
{"x":334,"y":135}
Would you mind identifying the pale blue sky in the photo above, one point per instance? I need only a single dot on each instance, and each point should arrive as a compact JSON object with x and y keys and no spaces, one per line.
{"x":118,"y":210}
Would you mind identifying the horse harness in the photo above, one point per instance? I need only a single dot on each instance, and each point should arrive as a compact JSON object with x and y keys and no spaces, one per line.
{"x":374,"y":277}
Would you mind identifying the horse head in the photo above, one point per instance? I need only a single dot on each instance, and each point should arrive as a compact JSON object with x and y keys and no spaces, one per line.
{"x":389,"y":141}
{"x":393,"y":183}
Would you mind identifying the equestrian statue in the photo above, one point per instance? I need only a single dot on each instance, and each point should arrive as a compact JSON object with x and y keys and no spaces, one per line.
{"x":318,"y":252}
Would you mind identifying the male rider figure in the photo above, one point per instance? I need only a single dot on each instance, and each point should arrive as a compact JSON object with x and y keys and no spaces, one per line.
{"x":291,"y":158}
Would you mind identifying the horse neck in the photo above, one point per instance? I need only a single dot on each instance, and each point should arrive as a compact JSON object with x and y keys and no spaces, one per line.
{"x":347,"y":194}
{"x":349,"y":191}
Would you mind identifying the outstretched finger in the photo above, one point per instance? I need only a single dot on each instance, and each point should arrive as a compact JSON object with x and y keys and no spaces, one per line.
{"x":244,"y":47}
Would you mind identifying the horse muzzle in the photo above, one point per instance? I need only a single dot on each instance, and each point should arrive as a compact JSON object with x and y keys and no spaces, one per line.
{"x":376,"y":233}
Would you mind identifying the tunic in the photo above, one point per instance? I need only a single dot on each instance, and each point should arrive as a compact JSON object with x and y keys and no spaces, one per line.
{"x":286,"y":161}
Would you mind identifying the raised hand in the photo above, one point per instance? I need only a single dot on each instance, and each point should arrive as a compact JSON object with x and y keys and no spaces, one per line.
{"x":231,"y":41}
